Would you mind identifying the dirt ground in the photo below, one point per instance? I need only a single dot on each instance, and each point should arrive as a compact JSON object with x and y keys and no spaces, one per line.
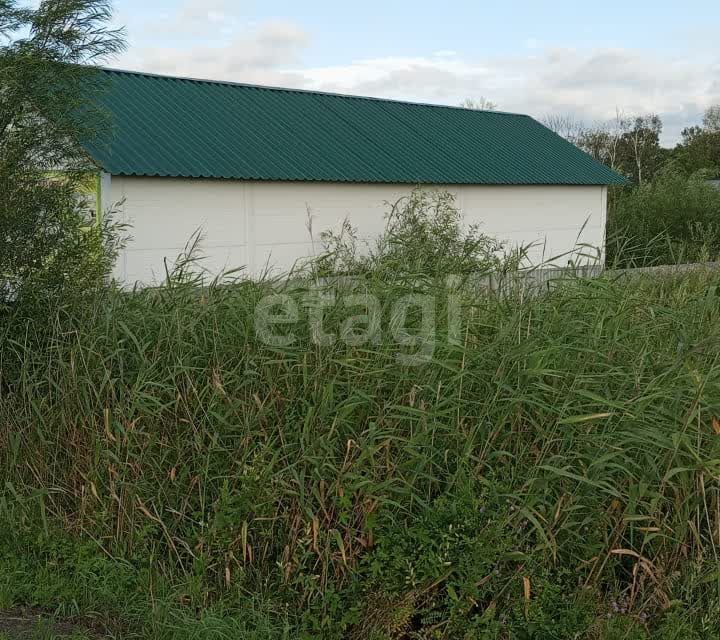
{"x":28,"y":622}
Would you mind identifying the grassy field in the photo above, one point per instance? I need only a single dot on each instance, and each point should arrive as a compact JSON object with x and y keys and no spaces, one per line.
{"x":394,"y":456}
{"x":551,"y":474}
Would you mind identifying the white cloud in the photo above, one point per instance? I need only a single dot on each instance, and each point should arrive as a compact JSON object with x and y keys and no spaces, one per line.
{"x":258,"y":54}
{"x":416,"y":78}
{"x":199,"y":17}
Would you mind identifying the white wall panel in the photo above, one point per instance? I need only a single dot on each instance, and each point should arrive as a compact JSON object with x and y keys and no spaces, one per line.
{"x":255,"y":224}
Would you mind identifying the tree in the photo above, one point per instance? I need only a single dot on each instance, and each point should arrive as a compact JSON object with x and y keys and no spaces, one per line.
{"x":565,"y":125}
{"x":481,"y":104}
{"x":711,"y":119}
{"x":699,"y":149}
{"x":614,"y":130}
{"x":46,"y":74}
{"x":601,"y":140}
{"x":638,"y":153}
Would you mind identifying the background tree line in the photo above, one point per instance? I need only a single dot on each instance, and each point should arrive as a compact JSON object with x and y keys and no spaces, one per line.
{"x":631,"y":144}
{"x":670,"y":210}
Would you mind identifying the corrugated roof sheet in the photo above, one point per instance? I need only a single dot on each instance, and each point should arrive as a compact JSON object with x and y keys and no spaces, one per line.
{"x":167,"y":126}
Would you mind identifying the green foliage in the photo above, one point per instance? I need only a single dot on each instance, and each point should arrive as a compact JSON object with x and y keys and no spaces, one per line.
{"x":631,"y":145}
{"x":49,"y":246}
{"x":424,"y":235}
{"x":670,"y":220}
{"x":699,"y":151}
{"x":670,"y":215}
{"x":85,"y":593}
{"x":638,"y":153}
{"x":61,"y":574}
{"x":628,"y":145}
{"x":548,"y":472}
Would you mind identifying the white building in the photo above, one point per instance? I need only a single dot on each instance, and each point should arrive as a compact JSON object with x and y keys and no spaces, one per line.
{"x":249,"y":166}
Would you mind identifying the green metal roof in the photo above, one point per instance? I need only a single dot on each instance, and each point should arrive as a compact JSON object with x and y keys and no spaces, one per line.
{"x":167,"y":126}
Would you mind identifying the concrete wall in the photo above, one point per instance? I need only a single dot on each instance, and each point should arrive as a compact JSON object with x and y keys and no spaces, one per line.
{"x":272,"y":224}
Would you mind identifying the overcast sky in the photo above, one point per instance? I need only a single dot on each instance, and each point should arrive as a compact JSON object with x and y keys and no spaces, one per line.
{"x":541,"y":57}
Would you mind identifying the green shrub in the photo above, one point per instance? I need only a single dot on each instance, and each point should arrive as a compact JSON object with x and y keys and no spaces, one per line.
{"x":424,"y":235}
{"x":670,"y":220}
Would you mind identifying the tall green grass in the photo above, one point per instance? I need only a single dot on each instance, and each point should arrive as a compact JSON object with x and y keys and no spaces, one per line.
{"x":671,"y":220}
{"x":551,"y":471}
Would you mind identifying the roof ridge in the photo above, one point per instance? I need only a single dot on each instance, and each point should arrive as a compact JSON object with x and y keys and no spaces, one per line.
{"x":335,"y":94}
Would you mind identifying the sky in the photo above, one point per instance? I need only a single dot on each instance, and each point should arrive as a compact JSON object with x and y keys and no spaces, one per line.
{"x":583,"y":59}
